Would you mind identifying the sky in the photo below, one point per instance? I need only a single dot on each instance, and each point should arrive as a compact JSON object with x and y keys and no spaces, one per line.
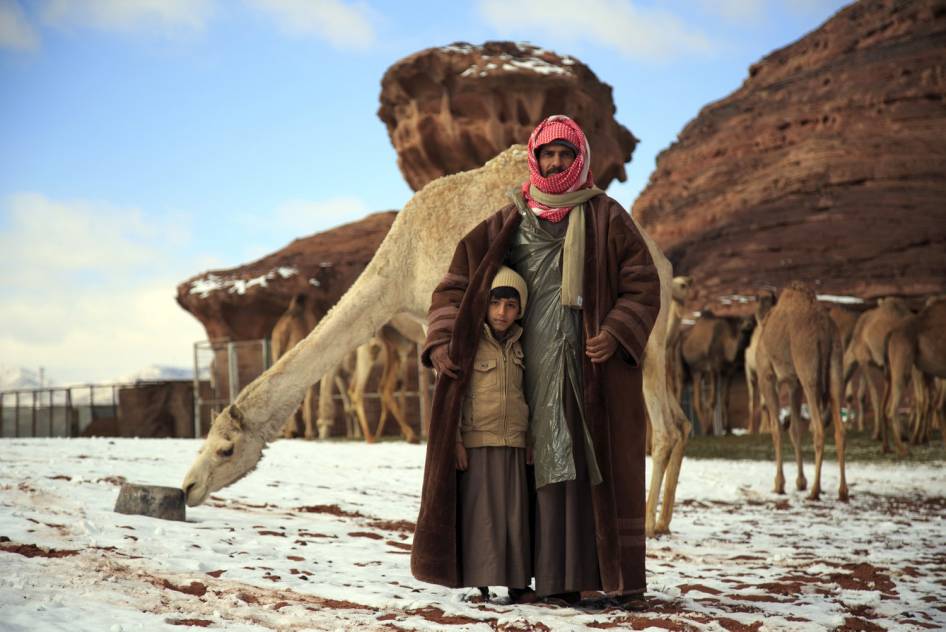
{"x":145,"y":141}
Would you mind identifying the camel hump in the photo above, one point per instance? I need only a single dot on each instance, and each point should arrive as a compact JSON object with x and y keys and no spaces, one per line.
{"x":803,"y":288}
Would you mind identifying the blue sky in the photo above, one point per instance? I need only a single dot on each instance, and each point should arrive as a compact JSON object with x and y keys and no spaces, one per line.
{"x":144,"y":141}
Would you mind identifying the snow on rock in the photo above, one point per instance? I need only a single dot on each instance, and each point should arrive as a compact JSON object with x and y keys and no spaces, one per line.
{"x":319,"y":536}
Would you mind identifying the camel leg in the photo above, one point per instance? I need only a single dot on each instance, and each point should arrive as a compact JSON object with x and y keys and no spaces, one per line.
{"x":659,"y":459}
{"x":836,"y":387}
{"x":871,"y":374}
{"x":356,"y":391}
{"x":899,"y":366}
{"x":808,"y":376}
{"x":307,"y":418}
{"x":713,"y":403}
{"x":697,"y":398}
{"x":795,"y":433}
{"x":753,"y":424}
{"x":769,"y":390}
{"x":861,"y":394}
{"x":389,"y":401}
{"x":672,"y":473}
{"x":326,"y":416}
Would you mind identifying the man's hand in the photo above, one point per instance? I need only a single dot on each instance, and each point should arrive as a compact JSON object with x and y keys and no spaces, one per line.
{"x":600,"y":348}
{"x":462,"y":463}
{"x":440,"y":358}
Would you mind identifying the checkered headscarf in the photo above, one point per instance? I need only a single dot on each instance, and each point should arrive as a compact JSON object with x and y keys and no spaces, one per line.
{"x":577,"y":176}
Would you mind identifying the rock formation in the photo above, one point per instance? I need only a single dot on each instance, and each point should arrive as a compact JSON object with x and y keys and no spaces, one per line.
{"x":452,"y":108}
{"x":828,"y":164}
{"x":244,"y":303}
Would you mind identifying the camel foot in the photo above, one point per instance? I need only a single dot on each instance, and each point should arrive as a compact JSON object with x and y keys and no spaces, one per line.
{"x":289,"y":435}
{"x":801,"y":484}
{"x":779,"y":489}
{"x":413,"y":439}
{"x":310,"y":436}
{"x":843,"y":495}
{"x":815,"y":494}
{"x":662,"y":529}
{"x":325,"y":432}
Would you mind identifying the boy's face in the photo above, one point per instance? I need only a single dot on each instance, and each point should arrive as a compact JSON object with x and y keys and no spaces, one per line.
{"x":502,"y":313}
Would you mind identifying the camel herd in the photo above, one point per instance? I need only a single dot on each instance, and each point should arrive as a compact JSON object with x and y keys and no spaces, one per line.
{"x":818,"y":352}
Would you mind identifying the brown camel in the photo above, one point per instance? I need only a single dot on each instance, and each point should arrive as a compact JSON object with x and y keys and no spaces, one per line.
{"x":710,"y":349}
{"x":917,"y":345}
{"x":866,"y":351}
{"x":764,"y":302}
{"x":682,"y":286}
{"x":294,"y":325}
{"x":800,"y":347}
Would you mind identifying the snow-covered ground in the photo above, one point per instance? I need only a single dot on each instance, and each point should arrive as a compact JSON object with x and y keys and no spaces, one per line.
{"x":318,"y":538}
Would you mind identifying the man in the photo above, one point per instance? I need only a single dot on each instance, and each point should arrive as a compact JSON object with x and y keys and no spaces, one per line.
{"x":594,"y":295}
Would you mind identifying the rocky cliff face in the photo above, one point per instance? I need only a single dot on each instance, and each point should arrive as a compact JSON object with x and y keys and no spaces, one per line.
{"x":827,"y":165}
{"x":451,"y":109}
{"x":244,"y":303}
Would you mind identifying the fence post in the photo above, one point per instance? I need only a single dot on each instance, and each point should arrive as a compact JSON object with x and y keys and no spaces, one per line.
{"x":196,"y":392}
{"x":266,"y":353}
{"x":2,"y":416}
{"x":16,"y":414}
{"x":232,"y":369}
{"x":73,"y":419}
{"x":51,"y":411}
{"x":33,"y":402}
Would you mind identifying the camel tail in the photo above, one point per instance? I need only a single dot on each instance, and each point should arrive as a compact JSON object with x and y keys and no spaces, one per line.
{"x":837,"y":384}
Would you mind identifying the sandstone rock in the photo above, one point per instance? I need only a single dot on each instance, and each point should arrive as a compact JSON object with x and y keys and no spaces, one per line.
{"x":827,"y":165}
{"x":244,"y":303}
{"x":166,"y":503}
{"x":452,"y":108}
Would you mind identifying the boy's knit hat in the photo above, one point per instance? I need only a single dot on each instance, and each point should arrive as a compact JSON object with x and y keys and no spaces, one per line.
{"x":507,"y":277}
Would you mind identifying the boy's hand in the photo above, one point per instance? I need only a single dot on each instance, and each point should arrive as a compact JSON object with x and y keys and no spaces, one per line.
{"x":440,"y":358}
{"x":462,"y":463}
{"x":600,"y":348}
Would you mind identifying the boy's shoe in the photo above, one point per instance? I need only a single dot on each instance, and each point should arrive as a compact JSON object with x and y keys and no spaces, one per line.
{"x":522,"y":595}
{"x":484,"y":593}
{"x":631,"y":603}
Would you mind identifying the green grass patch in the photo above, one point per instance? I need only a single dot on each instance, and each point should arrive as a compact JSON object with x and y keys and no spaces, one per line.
{"x":859,"y":447}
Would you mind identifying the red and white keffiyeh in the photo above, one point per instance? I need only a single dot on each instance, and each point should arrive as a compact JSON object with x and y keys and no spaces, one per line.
{"x":577,"y":176}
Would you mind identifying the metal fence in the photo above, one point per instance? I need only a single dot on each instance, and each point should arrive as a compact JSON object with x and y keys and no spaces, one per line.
{"x":56,"y":411}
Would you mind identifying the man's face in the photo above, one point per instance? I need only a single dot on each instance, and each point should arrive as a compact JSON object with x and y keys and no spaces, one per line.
{"x":555,"y":159}
{"x":502,"y":313}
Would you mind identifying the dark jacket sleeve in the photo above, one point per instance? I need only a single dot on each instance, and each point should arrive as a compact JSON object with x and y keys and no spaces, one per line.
{"x":638,"y":287}
{"x":446,"y":299}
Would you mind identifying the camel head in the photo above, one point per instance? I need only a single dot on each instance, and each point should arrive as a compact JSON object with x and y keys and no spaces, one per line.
{"x":229,"y":453}
{"x":681,"y":288}
{"x":764,"y":302}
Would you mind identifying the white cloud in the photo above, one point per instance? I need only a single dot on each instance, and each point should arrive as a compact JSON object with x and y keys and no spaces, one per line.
{"x":130,"y":15}
{"x":343,"y":25}
{"x":15,"y":30}
{"x":642,"y":33}
{"x":88,"y":289}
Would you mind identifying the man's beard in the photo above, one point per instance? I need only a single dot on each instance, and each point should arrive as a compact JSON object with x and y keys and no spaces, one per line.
{"x":553,"y":170}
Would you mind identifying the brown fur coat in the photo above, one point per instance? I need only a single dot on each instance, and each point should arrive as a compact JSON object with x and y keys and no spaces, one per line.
{"x":622,"y":294}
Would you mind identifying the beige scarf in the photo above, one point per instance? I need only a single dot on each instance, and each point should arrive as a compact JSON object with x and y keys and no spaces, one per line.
{"x":573,"y":252}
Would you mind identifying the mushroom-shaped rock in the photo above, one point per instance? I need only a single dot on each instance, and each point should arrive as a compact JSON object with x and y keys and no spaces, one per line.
{"x":452,"y":108}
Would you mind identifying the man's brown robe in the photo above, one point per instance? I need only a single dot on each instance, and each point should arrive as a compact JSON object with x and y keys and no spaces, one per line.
{"x":621,"y":292}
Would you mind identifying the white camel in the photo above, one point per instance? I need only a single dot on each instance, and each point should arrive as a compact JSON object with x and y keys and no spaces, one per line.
{"x":399,"y":280}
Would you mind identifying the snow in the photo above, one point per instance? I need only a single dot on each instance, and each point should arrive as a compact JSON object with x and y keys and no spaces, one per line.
{"x":317,"y":537}
{"x":535,"y":61}
{"x":831,"y":298}
{"x":204,"y":286}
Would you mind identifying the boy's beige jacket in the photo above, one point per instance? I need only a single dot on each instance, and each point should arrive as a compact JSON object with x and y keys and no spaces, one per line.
{"x":494,"y":410}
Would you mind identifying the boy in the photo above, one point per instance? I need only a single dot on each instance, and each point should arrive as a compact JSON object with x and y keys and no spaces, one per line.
{"x":493,"y":519}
